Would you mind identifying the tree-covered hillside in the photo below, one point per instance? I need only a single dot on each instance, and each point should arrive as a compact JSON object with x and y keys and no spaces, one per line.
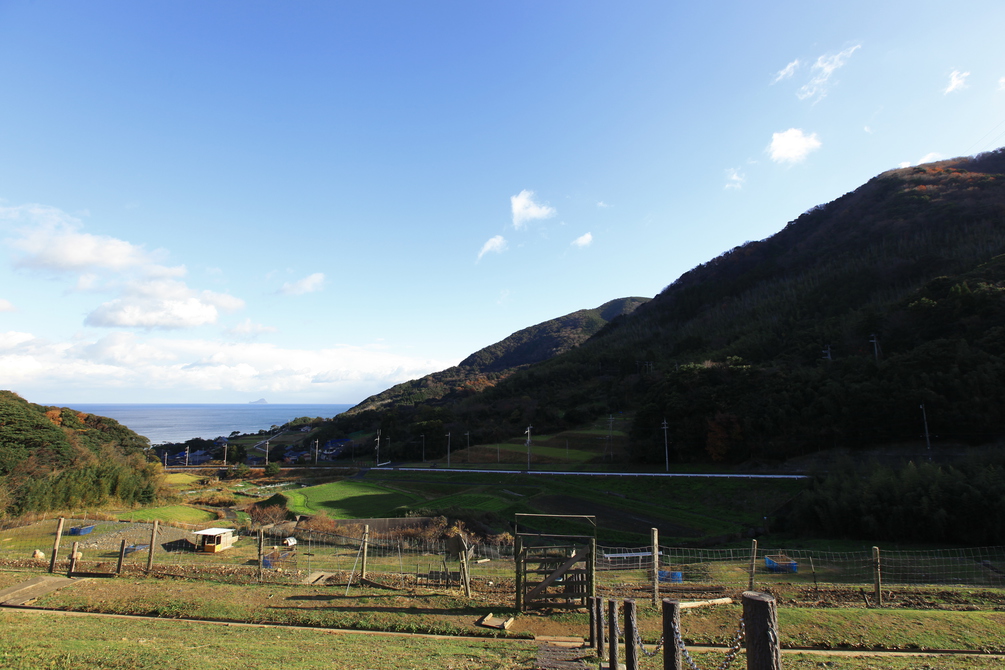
{"x":58,"y":458}
{"x":832,"y":332}
{"x":488,"y":366}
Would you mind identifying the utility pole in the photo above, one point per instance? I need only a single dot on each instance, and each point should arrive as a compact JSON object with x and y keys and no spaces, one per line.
{"x":423,"y":436}
{"x":266,"y":452}
{"x":378,"y":447}
{"x":610,"y":434}
{"x":448,"y":450}
{"x":528,"y":447}
{"x":875,"y":346}
{"x":467,"y":434}
{"x":186,"y":460}
{"x":666,"y":444}
{"x":225,"y":445}
{"x":315,"y":452}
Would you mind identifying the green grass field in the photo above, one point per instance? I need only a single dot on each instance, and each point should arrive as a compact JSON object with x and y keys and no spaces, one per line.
{"x":170,"y":513}
{"x":347,"y":500}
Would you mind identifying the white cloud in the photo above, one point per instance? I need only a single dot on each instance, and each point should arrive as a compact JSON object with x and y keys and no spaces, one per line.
{"x":309,"y":284}
{"x":792,"y":145}
{"x":525,"y":209}
{"x":128,"y":365}
{"x":6,"y":305}
{"x":822,"y":69}
{"x":957,"y":81}
{"x":50,"y":239}
{"x":162,"y":303}
{"x":247,"y":329}
{"x":583,"y":240}
{"x":602,"y":205}
{"x":927,"y":158}
{"x":1001,"y":84}
{"x":786,"y":71}
{"x":734,"y":178}
{"x":496,"y":245}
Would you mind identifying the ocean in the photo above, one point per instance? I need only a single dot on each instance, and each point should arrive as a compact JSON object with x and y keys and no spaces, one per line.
{"x":177,"y":423}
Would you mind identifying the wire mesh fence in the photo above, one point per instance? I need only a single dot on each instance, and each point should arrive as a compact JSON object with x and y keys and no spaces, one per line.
{"x":291,"y":555}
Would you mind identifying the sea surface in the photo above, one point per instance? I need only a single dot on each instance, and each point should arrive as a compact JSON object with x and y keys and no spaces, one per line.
{"x":177,"y":423}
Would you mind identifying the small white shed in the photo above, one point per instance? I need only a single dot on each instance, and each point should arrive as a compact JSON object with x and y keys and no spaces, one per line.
{"x":213,"y":540}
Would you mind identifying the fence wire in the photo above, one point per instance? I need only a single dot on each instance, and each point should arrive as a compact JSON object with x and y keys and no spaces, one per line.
{"x":428,"y":562}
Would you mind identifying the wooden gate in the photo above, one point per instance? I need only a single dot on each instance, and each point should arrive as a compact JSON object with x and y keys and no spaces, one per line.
{"x":554,"y":570}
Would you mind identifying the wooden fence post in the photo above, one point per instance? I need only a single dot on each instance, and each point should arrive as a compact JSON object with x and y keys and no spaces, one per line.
{"x":601,"y":628}
{"x":73,"y":559}
{"x":656,"y":566}
{"x":122,"y":555}
{"x":877,"y":577}
{"x":592,"y":607}
{"x":631,"y":631}
{"x":153,"y":543}
{"x":261,"y":551}
{"x":366,"y":546}
{"x":55,"y":544}
{"x":753,"y":564}
{"x":760,"y":619}
{"x":593,"y":566}
{"x":518,"y":564}
{"x":671,"y":625}
{"x":612,"y":624}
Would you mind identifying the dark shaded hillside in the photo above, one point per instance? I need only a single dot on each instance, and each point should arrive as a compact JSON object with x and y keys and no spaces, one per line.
{"x":58,"y":458}
{"x":832,"y":332}
{"x":487,"y":366}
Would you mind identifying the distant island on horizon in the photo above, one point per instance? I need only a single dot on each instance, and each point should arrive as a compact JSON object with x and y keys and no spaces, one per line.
{"x":260,"y":401}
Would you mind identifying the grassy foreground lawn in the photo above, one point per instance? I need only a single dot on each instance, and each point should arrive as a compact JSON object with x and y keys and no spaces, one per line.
{"x":51,"y":640}
{"x":32,"y":641}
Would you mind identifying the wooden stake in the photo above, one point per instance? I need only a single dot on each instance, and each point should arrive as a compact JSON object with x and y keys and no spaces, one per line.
{"x":73,"y":560}
{"x":631,"y":628}
{"x":153,"y":543}
{"x":601,"y":628}
{"x":877,"y":576}
{"x":760,"y":618}
{"x":122,"y":555}
{"x":671,"y":624}
{"x":612,"y":624}
{"x":753,"y":563}
{"x":261,"y":548}
{"x":656,"y":566}
{"x":55,"y":544}
{"x":366,"y":544}
{"x":517,"y":555}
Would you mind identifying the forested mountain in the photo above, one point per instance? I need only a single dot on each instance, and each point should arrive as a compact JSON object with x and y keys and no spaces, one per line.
{"x":487,"y":366}
{"x":58,"y":458}
{"x":832,"y":332}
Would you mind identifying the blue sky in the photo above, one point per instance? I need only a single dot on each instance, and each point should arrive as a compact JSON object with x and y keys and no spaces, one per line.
{"x":312,"y":201}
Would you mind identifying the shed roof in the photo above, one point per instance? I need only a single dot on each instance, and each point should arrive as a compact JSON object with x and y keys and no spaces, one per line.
{"x":214,"y":531}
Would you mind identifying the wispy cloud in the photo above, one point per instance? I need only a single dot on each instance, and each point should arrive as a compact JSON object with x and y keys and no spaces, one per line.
{"x":957,"y":81}
{"x":602,"y":205}
{"x":734,"y":178}
{"x":786,"y":71}
{"x":1001,"y":84}
{"x":149,"y":294}
{"x":822,"y":69}
{"x":525,"y":209}
{"x":249,"y":329}
{"x":583,"y":240}
{"x":308,"y":284}
{"x":792,"y":145}
{"x":930,"y":157}
{"x":6,"y":305}
{"x":495,"y":245}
